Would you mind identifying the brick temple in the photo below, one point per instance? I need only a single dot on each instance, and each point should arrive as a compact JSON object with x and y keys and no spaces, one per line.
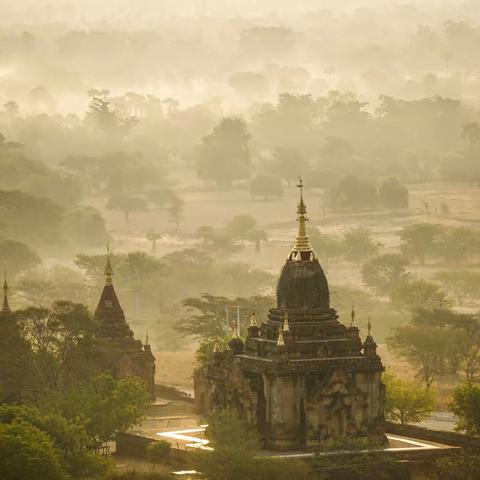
{"x":300,"y":376}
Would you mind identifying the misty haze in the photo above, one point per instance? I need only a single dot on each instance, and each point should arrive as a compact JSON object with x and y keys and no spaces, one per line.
{"x":240,"y":240}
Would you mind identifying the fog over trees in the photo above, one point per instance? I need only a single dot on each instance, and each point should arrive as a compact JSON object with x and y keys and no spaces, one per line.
{"x":176,"y":131}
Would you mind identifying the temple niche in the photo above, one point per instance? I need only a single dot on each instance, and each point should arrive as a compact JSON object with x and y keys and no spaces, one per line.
{"x":122,"y":354}
{"x":300,"y":377}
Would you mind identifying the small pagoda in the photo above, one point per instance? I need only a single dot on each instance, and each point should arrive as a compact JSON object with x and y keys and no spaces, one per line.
{"x":300,"y":377}
{"x":123,"y":355}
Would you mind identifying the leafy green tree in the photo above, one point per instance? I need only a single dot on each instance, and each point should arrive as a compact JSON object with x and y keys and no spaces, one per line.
{"x":16,"y":257}
{"x":358,"y":245}
{"x":385,"y":272}
{"x":223,"y":155}
{"x":108,"y":405}
{"x":353,"y":193}
{"x":158,"y":452}
{"x":69,"y":437}
{"x":463,"y":464}
{"x":27,"y":452}
{"x":392,"y":194}
{"x":414,"y":293}
{"x":460,"y":284}
{"x":127,"y":205}
{"x":205,"y":318}
{"x":55,"y":337}
{"x":406,"y":400}
{"x":420,"y":240}
{"x":266,"y":186}
{"x":466,"y":406}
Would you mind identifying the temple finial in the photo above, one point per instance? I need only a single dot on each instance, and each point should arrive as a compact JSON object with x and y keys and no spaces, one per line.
{"x":302,"y":242}
{"x":6,"y":307}
{"x":108,"y":268}
{"x":369,"y":326}
{"x":253,"y":320}
{"x":352,"y":315}
{"x":280,"y":340}
{"x":286,"y":325}
{"x":147,"y":340}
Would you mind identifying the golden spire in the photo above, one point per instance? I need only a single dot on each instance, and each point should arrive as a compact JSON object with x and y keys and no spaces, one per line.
{"x":286,"y":326}
{"x":216,"y":348}
{"x":6,"y":307}
{"x":108,"y":268}
{"x":280,"y":341}
{"x":253,"y":320}
{"x":302,"y":242}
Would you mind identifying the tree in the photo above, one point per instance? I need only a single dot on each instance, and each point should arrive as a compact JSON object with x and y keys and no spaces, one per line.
{"x":160,"y":197}
{"x":27,"y":452}
{"x":424,"y":346}
{"x":458,"y":244}
{"x":392,"y":193}
{"x":359,"y":245}
{"x":73,"y":445}
{"x":108,"y":404}
{"x":466,"y":406}
{"x":153,"y":236}
{"x":34,"y":220}
{"x":176,"y":209}
{"x":326,"y":246}
{"x":414,"y":293}
{"x":16,"y":257}
{"x":235,"y":446}
{"x":288,"y":164}
{"x":353,"y":193}
{"x":84,"y":227}
{"x":406,"y":400}
{"x":461,"y":284}
{"x":240,"y":227}
{"x":257,"y":236}
{"x":158,"y":452}
{"x":420,"y":240}
{"x":384,"y":273}
{"x":127,"y":205}
{"x":223,"y":155}
{"x":266,"y":187}
{"x":462,"y":464}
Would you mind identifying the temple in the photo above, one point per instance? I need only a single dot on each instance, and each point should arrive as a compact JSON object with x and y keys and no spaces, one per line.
{"x":124,"y":356}
{"x":301,"y":377}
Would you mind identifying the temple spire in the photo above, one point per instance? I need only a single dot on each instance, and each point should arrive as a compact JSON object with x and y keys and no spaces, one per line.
{"x":352,"y":315}
{"x":6,"y":307}
{"x":286,"y":325}
{"x":302,"y":242}
{"x":108,"y":268}
{"x":253,"y":320}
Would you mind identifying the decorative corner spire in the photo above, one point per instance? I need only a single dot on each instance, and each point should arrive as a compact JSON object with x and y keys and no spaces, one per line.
{"x":352,"y":315}
{"x":216,"y":348}
{"x":6,"y":307}
{"x":253,"y":320}
{"x":108,"y":268}
{"x":280,"y":340}
{"x":286,"y":325}
{"x":302,"y":241}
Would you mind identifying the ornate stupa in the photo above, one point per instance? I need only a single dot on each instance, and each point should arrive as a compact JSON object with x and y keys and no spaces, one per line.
{"x":301,"y":377}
